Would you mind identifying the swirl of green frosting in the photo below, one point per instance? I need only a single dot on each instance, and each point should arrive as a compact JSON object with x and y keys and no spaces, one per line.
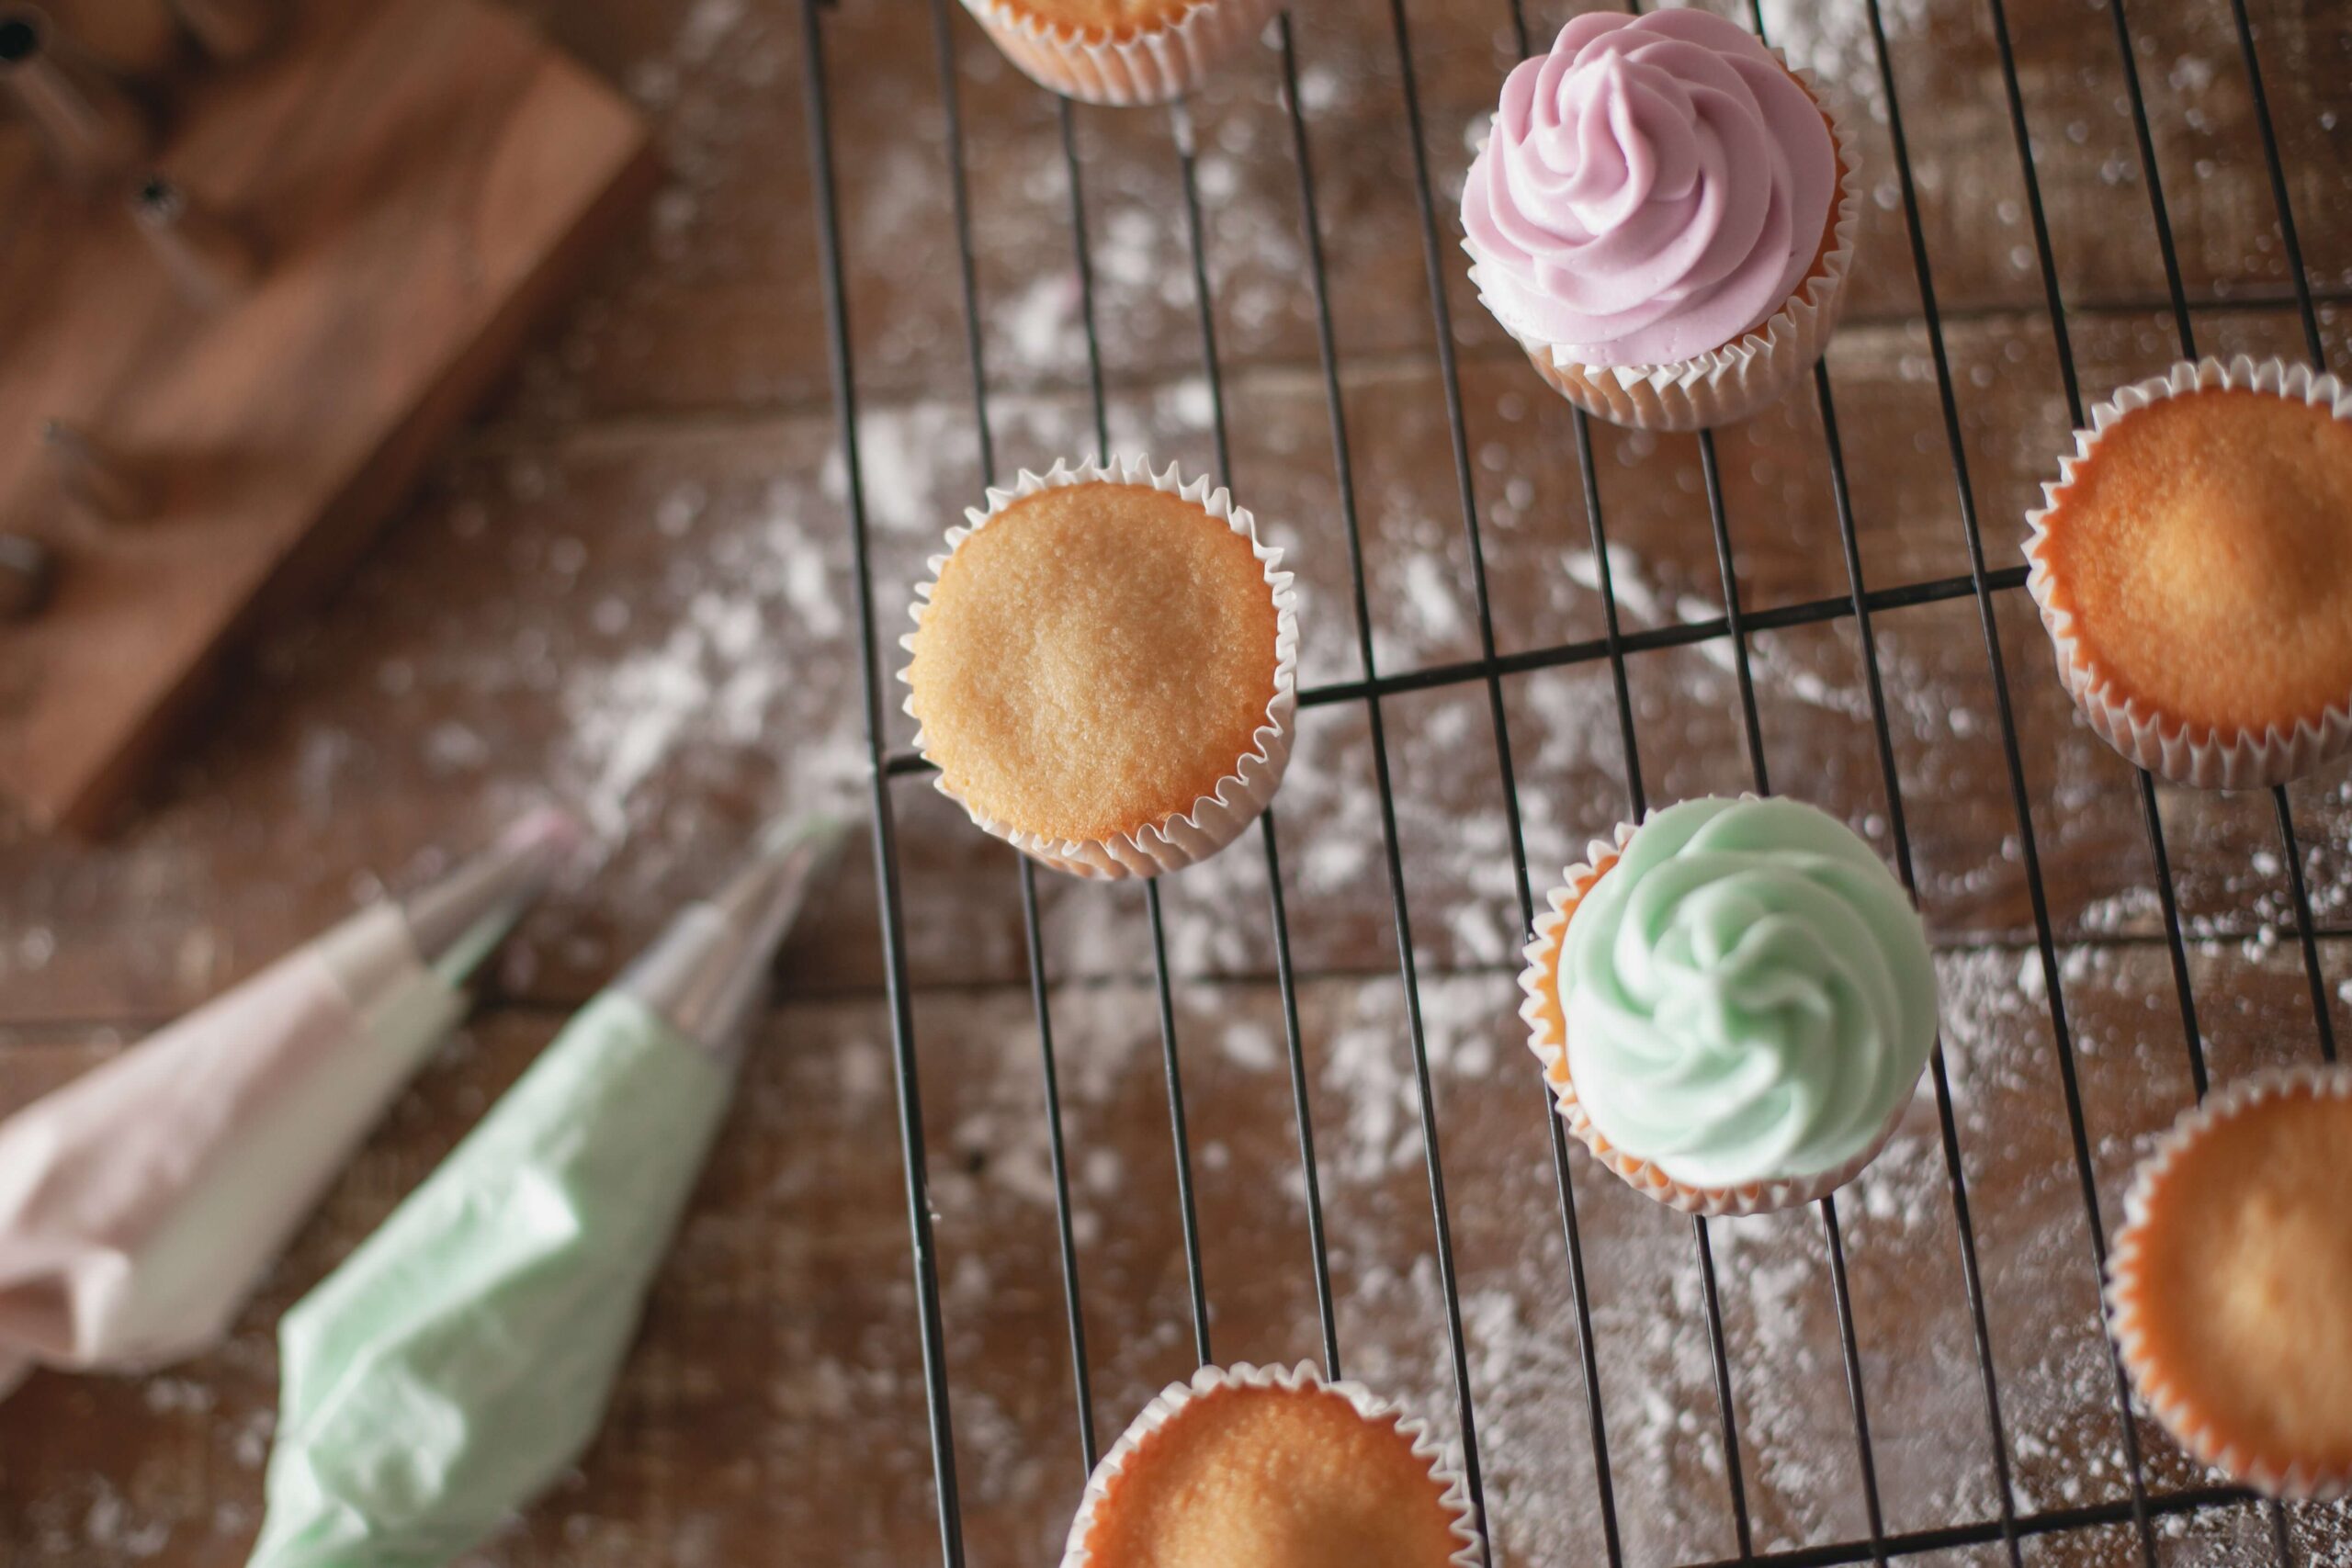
{"x":1748,"y":994}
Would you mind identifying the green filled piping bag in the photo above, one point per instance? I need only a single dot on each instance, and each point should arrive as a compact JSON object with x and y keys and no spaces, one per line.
{"x":462,"y":1356}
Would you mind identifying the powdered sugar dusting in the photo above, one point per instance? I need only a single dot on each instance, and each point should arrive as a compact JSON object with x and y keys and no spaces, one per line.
{"x":709,"y":683}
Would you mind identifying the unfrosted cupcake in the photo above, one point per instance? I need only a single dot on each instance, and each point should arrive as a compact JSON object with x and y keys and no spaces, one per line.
{"x":2230,"y":1286}
{"x":1122,"y":51}
{"x":1272,"y":1468}
{"x":1731,"y":1003}
{"x":1663,"y":216}
{"x":2193,"y":565}
{"x":1106,"y":668}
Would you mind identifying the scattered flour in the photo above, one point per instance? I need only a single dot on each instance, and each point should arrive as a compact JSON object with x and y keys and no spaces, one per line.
{"x":714,"y":681}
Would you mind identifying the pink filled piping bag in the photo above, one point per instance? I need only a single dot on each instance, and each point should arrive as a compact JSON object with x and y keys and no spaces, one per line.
{"x":140,"y":1202}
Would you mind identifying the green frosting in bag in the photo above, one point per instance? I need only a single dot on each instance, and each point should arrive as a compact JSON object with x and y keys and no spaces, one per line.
{"x":463,"y":1355}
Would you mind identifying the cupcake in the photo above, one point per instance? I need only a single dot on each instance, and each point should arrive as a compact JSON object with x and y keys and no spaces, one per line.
{"x":1275,"y":1468}
{"x":2193,"y":564}
{"x":1105,"y":669}
{"x":1663,"y":216}
{"x":1122,"y":51}
{"x":1731,"y":1003}
{"x":2230,"y":1286}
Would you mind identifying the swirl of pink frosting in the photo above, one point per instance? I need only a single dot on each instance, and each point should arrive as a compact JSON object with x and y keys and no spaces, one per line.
{"x":1655,"y":187}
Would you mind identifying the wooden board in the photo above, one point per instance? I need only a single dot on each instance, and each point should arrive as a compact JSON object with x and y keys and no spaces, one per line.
{"x":423,"y":176}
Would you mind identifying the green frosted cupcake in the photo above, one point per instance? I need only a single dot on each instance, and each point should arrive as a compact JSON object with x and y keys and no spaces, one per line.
{"x":1731,"y":1003}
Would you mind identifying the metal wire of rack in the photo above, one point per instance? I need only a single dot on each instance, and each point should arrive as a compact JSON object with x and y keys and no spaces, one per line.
{"x":2010,"y":1527}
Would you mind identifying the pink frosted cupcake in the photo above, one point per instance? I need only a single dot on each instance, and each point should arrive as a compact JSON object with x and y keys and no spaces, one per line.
{"x":1664,"y":216}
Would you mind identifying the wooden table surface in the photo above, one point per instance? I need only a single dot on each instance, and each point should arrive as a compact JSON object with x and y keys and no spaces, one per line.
{"x":627,"y":588}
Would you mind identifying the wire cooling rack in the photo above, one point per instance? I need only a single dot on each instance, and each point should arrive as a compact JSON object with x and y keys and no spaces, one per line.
{"x":2011,"y":1526}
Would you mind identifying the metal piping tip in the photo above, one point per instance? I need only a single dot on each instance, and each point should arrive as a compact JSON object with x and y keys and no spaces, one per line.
{"x":95,"y":474}
{"x":229,"y":30}
{"x":458,"y":921}
{"x":707,"y":972}
{"x":93,"y":133}
{"x":211,"y":259}
{"x":28,"y":577}
{"x":786,"y":856}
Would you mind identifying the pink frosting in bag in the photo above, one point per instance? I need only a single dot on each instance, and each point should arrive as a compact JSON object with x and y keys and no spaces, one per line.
{"x":1655,"y":187}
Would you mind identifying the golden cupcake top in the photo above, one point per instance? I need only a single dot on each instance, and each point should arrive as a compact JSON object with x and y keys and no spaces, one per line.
{"x":1274,"y":1477}
{"x":2204,"y":550}
{"x":1094,"y":659}
{"x":2234,"y":1280}
{"x":1103,"y":19}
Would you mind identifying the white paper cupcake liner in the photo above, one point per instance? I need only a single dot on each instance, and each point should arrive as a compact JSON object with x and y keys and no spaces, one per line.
{"x":1304,"y":1375}
{"x":1544,"y":1013}
{"x":1215,"y":819}
{"x":2124,"y":1284}
{"x":1151,"y":65}
{"x":2200,"y":755}
{"x":1724,"y":385}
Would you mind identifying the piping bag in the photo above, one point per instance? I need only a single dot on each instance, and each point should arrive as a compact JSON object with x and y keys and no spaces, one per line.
{"x":140,"y":1202}
{"x":462,"y":1356}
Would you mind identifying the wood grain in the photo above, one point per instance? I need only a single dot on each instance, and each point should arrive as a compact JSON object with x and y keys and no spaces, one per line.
{"x":422,"y":177}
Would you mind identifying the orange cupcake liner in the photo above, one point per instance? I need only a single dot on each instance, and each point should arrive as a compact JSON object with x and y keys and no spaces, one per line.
{"x":2206,"y":1442}
{"x":1207,"y":1381}
{"x":2200,"y":755}
{"x":1739,"y":379}
{"x":1146,"y":65}
{"x":1547,"y":1036}
{"x":1215,"y":819}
